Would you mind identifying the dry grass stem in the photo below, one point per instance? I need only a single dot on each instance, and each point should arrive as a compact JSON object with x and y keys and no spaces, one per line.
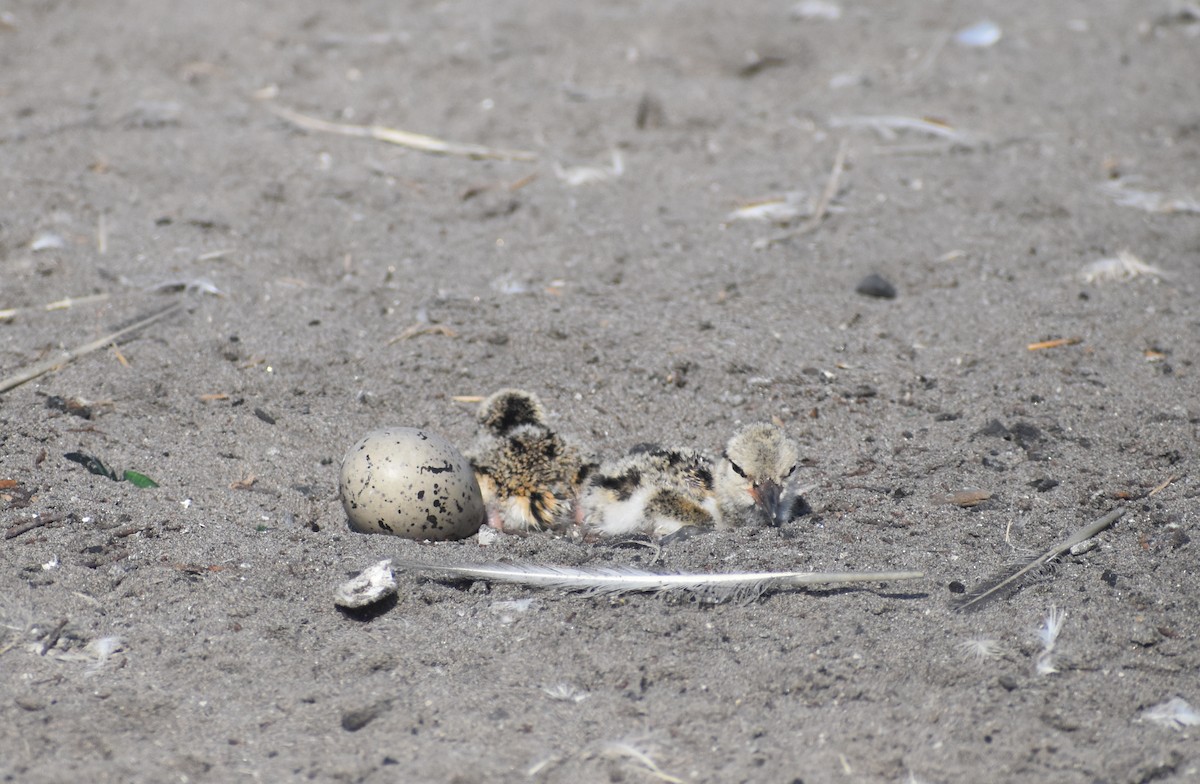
{"x":1056,"y":343}
{"x":70,"y":355}
{"x":1163,"y":485}
{"x":59,"y":304}
{"x":413,"y":141}
{"x":889,"y":127}
{"x":820,"y":209}
{"x":416,"y":330}
{"x":101,"y":235}
{"x":120,"y":357}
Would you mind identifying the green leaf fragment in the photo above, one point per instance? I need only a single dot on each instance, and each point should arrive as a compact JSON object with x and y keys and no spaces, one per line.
{"x":139,"y":480}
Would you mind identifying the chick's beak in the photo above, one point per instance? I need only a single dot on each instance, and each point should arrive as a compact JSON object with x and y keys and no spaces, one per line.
{"x":766,"y":496}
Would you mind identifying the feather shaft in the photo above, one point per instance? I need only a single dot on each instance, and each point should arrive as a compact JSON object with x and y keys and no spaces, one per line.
{"x":1009,"y":582}
{"x":618,"y":580}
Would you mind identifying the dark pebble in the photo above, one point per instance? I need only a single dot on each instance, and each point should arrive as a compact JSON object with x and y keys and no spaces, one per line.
{"x":264,"y":416}
{"x":1044,"y":484}
{"x":995,"y":429}
{"x":355,"y":720}
{"x":876,"y":286}
{"x":957,"y":587}
{"x":1025,"y":434}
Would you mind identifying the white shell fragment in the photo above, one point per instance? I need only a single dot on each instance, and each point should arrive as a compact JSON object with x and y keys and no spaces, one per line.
{"x":979,"y":35}
{"x":822,"y":10}
{"x":47,"y":240}
{"x":409,"y":482}
{"x":375,"y":584}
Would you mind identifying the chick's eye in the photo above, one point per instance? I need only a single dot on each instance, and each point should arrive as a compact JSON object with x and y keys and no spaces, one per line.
{"x":790,"y":471}
{"x":737,"y":469}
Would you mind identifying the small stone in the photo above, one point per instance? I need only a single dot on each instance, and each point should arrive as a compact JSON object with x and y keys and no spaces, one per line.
{"x":876,"y":286}
{"x":355,"y":720}
{"x":994,"y":429}
{"x":1044,"y":484}
{"x":1146,"y":636}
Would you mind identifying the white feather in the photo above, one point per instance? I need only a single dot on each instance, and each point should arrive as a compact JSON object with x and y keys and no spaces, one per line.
{"x":1175,"y":713}
{"x":1051,"y":627}
{"x":607,"y":580}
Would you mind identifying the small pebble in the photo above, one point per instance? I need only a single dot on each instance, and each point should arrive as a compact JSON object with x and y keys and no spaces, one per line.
{"x":979,"y":35}
{"x":876,"y":286}
{"x":355,"y":720}
{"x":1044,"y":484}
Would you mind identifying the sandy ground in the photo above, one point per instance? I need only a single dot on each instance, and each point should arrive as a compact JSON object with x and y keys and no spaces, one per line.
{"x":138,"y":150}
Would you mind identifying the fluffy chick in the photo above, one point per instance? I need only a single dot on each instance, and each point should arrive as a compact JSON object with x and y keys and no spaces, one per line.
{"x":528,"y":474}
{"x":754,"y":478}
{"x":653,"y":490}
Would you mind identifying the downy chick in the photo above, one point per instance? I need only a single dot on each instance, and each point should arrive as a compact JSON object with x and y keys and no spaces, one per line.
{"x":754,"y":478}
{"x":653,"y":490}
{"x":527,"y":473}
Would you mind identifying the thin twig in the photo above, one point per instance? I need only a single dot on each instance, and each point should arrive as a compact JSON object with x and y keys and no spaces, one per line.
{"x":822,"y":206}
{"x":414,"y":141}
{"x":36,"y":522}
{"x":70,"y":355}
{"x":417,"y":330}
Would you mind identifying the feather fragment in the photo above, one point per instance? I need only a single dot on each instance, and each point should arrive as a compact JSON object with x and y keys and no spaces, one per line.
{"x":611,"y":581}
{"x":1175,"y":713}
{"x":1011,"y":580}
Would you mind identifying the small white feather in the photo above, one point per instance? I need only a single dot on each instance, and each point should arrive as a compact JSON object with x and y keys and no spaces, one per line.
{"x":1175,"y":713}
{"x":1051,"y":627}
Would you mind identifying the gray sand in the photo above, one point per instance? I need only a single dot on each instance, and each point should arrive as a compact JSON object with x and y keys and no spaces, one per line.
{"x":640,"y":311}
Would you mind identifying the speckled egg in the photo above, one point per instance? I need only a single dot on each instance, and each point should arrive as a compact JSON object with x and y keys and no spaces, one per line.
{"x":409,"y":482}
